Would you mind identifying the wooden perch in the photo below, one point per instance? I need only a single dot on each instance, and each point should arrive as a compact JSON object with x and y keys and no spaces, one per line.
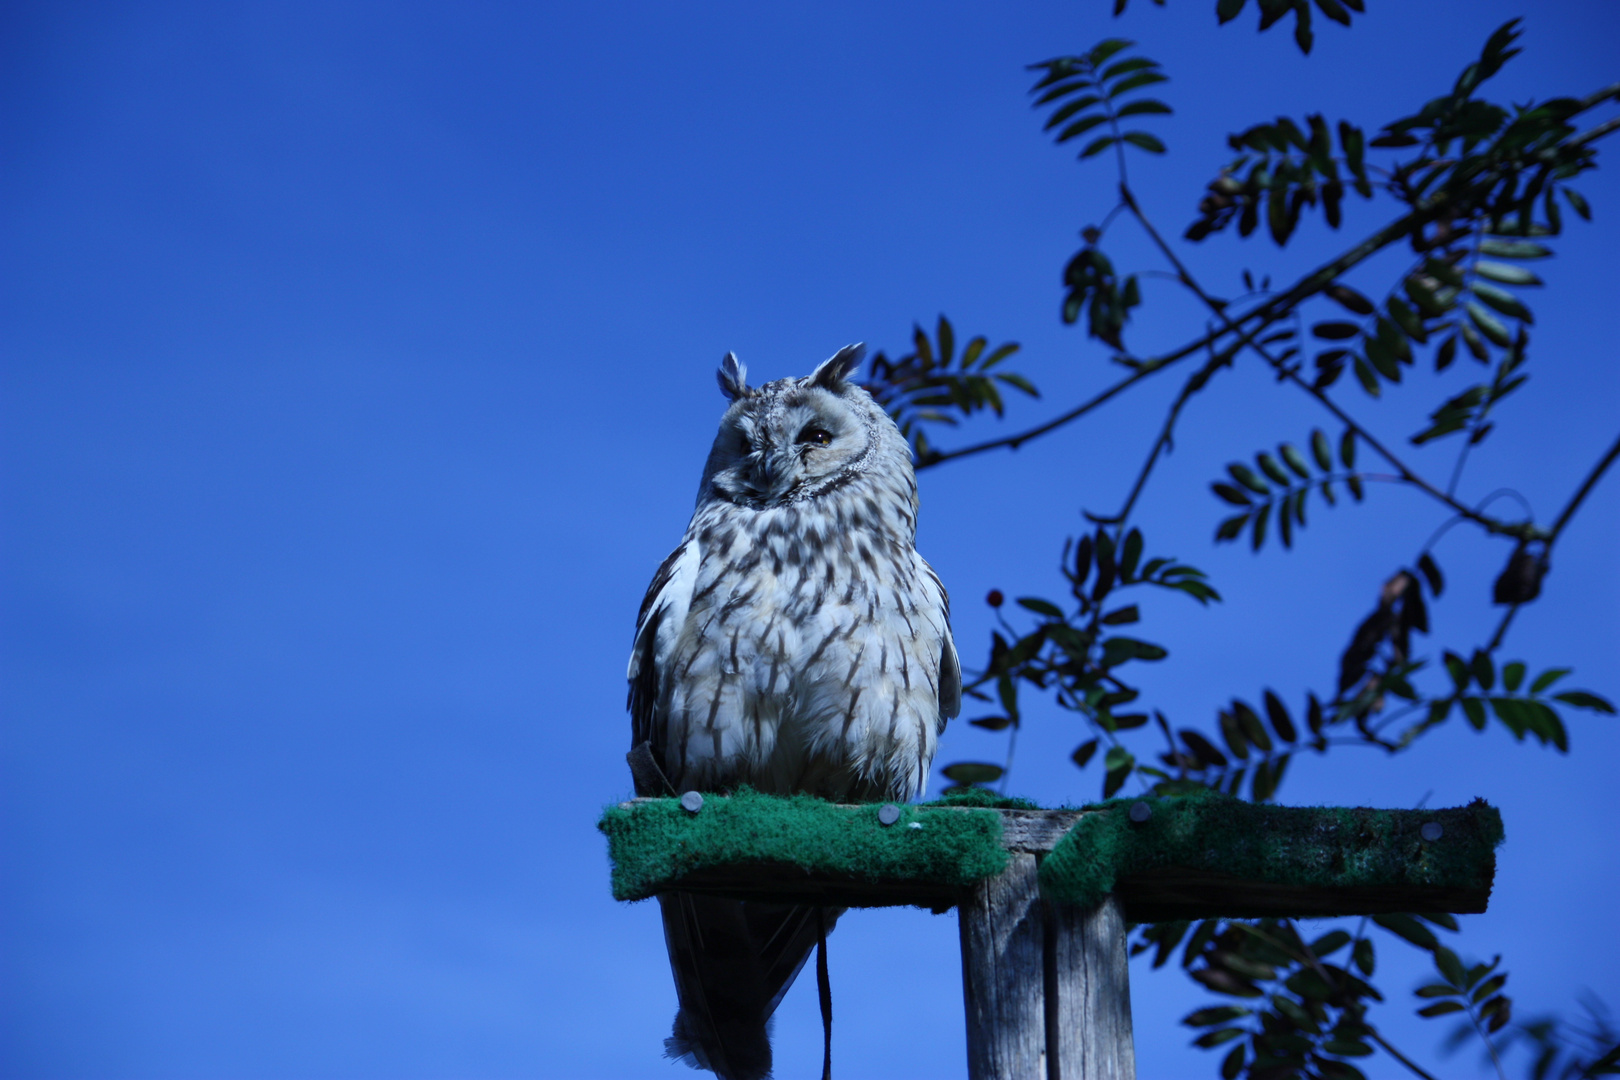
{"x":1044,"y":895}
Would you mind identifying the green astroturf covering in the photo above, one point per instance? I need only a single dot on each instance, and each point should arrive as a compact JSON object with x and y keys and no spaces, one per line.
{"x":655,"y":842}
{"x":1316,"y":846}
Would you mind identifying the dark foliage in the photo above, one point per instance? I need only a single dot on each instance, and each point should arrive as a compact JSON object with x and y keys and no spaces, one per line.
{"x":1477,"y":191}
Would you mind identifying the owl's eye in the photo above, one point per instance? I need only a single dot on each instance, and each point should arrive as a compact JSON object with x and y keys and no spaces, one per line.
{"x":747,"y":447}
{"x":815,"y":436}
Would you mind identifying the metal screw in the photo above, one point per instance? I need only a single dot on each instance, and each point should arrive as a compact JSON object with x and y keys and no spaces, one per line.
{"x":888,"y":814}
{"x":1432,"y":831}
{"x":692,"y":802}
{"x":1140,"y":811}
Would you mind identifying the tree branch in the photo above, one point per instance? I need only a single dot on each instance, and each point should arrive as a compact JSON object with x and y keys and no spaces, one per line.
{"x":1406,"y":474}
{"x":1583,"y":491}
{"x":1267,"y":313}
{"x":1372,"y":1033}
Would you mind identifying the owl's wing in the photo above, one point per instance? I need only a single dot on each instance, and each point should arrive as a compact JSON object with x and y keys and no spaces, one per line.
{"x":663,"y":613}
{"x":950,"y":667}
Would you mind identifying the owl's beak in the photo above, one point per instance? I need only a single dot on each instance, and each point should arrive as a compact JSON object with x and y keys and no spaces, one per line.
{"x":772,"y":470}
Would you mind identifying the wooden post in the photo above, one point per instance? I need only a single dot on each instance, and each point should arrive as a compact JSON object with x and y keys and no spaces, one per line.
{"x":1003,"y":948}
{"x":1088,"y":994}
{"x":1046,"y":986}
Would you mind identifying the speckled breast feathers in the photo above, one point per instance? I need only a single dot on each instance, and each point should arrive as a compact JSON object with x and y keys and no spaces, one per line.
{"x":795,"y":640}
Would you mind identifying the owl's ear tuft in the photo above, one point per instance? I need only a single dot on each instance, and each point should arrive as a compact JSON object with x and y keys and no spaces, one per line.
{"x":733,"y":377}
{"x":835,"y":371}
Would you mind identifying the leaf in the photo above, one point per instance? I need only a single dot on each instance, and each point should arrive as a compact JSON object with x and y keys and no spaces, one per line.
{"x":972,"y":772}
{"x":1215,"y":1015}
{"x":992,"y":723}
{"x":1124,"y":67}
{"x":1257,"y":533}
{"x":1503,"y":301}
{"x":1145,"y":105}
{"x":1227,"y":10}
{"x":1121,"y":616}
{"x":1081,"y":126}
{"x":1130,"y":554}
{"x":1096,"y":147}
{"x":1231,"y":494}
{"x":1144,"y":141}
{"x":1512,"y":676}
{"x":1245,"y":476}
{"x":1363,"y":954}
{"x":1320,"y":450}
{"x":1280,"y":721}
{"x":1231,"y":528}
{"x":1040,"y":607}
{"x":1382,"y":358}
{"x":1347,"y":448}
{"x":1434,"y":990}
{"x":1269,"y":466}
{"x":1547,"y":678}
{"x":1140,"y":79}
{"x":1448,"y":965}
{"x":1514,"y":249}
{"x":1205,"y":751}
{"x":1407,"y":320}
{"x":1232,"y":735}
{"x":1335,"y":331}
{"x":1506,"y":274}
{"x":1580,"y":699}
{"x":1431,"y":573}
{"x":1253,"y":730}
{"x":1350,"y":300}
{"x":1083,"y":752}
{"x":1118,"y":772}
{"x":1118,"y":650}
{"x":1329,"y":943}
{"x":1441,"y":1008}
{"x":1409,"y":928}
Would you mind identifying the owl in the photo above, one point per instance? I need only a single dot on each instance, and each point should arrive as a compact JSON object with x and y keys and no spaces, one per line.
{"x":795,"y":641}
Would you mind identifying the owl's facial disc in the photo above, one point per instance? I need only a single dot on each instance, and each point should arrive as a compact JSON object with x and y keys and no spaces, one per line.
{"x":780,"y":446}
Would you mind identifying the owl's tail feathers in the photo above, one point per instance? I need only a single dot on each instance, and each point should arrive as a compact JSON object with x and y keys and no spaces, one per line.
{"x":733,"y":961}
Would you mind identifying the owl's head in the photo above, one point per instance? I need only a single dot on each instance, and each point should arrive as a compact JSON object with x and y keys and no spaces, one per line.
{"x":796,"y":439}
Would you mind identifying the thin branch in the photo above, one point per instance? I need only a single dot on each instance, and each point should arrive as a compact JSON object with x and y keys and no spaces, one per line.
{"x":1196,"y":382}
{"x":1372,"y":1033}
{"x":1598,"y":97}
{"x":1013,"y":442}
{"x":1585,"y":489}
{"x":1269,"y":312}
{"x":1478,"y":418}
{"x":1524,"y":530}
{"x":1598,"y":132}
{"x":1406,"y":474}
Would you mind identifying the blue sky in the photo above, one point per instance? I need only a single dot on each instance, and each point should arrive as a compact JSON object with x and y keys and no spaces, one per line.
{"x":357,"y":373}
